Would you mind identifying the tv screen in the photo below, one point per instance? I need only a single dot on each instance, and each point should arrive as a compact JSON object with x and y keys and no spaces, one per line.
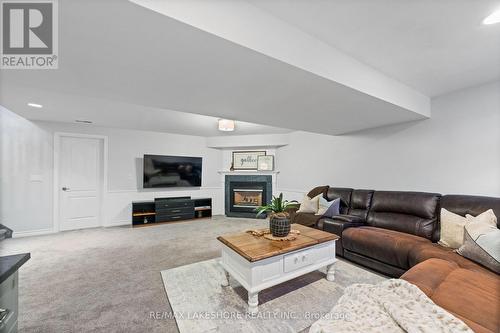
{"x":171,"y":171}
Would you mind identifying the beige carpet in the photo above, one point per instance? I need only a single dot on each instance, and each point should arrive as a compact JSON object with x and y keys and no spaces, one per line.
{"x":195,"y":291}
{"x":108,"y":280}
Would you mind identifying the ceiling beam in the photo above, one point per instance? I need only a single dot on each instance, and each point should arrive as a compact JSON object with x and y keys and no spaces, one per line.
{"x":244,"y":24}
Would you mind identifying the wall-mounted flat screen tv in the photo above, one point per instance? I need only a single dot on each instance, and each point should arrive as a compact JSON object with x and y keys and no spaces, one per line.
{"x":171,"y":171}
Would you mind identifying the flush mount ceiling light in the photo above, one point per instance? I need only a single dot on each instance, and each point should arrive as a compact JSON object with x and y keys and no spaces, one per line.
{"x":226,"y":125}
{"x":493,"y":18}
{"x":34,"y":105}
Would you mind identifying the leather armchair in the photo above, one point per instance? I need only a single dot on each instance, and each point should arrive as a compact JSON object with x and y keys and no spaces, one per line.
{"x":337,"y":224}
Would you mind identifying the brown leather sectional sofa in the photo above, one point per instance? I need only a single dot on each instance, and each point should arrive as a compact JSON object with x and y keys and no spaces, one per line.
{"x":396,"y":233}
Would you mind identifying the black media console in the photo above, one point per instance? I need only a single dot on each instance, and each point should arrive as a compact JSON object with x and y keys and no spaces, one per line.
{"x":170,"y":210}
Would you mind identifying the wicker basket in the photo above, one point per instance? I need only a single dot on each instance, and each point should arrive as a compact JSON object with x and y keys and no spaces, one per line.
{"x":279,"y":226}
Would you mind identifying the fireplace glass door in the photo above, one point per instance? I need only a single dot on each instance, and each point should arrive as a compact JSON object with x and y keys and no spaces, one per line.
{"x":246,"y":196}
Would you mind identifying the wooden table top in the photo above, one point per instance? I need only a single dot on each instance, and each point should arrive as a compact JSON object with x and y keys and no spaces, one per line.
{"x":254,"y":248}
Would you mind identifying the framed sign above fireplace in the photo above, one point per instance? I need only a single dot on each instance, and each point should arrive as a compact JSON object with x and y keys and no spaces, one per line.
{"x":265,"y":163}
{"x":246,"y":160}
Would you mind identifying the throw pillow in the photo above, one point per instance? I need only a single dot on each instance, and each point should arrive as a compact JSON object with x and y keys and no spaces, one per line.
{"x":482,"y":244}
{"x":328,"y":208}
{"x":452,"y":229}
{"x":323,"y":206}
{"x":309,"y":205}
{"x":487,"y":217}
{"x":317,"y":190}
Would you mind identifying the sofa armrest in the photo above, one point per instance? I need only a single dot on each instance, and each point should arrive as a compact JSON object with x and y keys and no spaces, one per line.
{"x":338,"y":223}
{"x":292,"y":211}
{"x":348,"y":218}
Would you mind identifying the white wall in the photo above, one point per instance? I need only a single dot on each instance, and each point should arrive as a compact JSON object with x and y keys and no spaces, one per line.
{"x":27,"y":167}
{"x":456,"y":151}
{"x":25,"y":151}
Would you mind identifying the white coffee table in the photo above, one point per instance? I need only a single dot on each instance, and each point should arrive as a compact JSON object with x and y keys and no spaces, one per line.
{"x":258,"y":263}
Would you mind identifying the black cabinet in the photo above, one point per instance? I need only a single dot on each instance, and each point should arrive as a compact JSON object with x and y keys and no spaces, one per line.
{"x":170,"y":209}
{"x":203,"y":207}
{"x":177,"y":202}
{"x":143,"y":212}
{"x":173,"y":209}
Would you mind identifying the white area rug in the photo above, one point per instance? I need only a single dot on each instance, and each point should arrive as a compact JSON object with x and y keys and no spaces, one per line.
{"x":200,"y":304}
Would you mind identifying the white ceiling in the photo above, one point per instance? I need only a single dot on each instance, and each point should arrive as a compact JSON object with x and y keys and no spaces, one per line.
{"x":115,"y":50}
{"x":122,"y":65}
{"x":68,"y":108}
{"x":433,"y":46}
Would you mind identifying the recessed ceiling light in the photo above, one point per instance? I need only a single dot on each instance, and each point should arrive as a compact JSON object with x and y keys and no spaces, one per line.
{"x":34,"y":105}
{"x":493,"y":18}
{"x":83,"y":121}
{"x":226,"y":125}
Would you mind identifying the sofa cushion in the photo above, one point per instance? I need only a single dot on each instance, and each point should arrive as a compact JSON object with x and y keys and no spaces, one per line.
{"x":452,"y":229}
{"x":428,"y":283}
{"x":409,"y":212}
{"x":388,"y":246}
{"x":336,"y":225}
{"x":360,"y":203}
{"x":482,"y":244}
{"x":307,"y":219}
{"x":472,"y":296}
{"x":309,"y":205}
{"x":473,"y":205}
{"x":477,"y":328}
{"x":318,"y":190}
{"x":423,"y":251}
{"x":345,"y":197}
{"x":488,"y":217}
{"x":328,"y":208}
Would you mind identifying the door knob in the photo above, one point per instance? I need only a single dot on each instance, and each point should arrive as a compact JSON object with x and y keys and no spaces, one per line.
{"x":65,"y":188}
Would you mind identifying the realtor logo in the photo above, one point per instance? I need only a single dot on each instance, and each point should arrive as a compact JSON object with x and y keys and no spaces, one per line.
{"x":29,"y":34}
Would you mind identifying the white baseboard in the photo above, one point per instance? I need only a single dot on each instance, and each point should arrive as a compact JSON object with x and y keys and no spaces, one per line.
{"x":19,"y":234}
{"x":118,"y":223}
{"x":40,"y":232}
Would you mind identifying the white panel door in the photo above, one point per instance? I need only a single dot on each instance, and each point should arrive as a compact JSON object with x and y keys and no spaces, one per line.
{"x":80,"y":182}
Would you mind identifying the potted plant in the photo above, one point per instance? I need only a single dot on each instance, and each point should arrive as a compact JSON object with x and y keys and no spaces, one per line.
{"x":279,"y":218}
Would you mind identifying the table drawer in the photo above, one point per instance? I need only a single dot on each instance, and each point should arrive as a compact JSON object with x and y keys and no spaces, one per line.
{"x":298,"y":260}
